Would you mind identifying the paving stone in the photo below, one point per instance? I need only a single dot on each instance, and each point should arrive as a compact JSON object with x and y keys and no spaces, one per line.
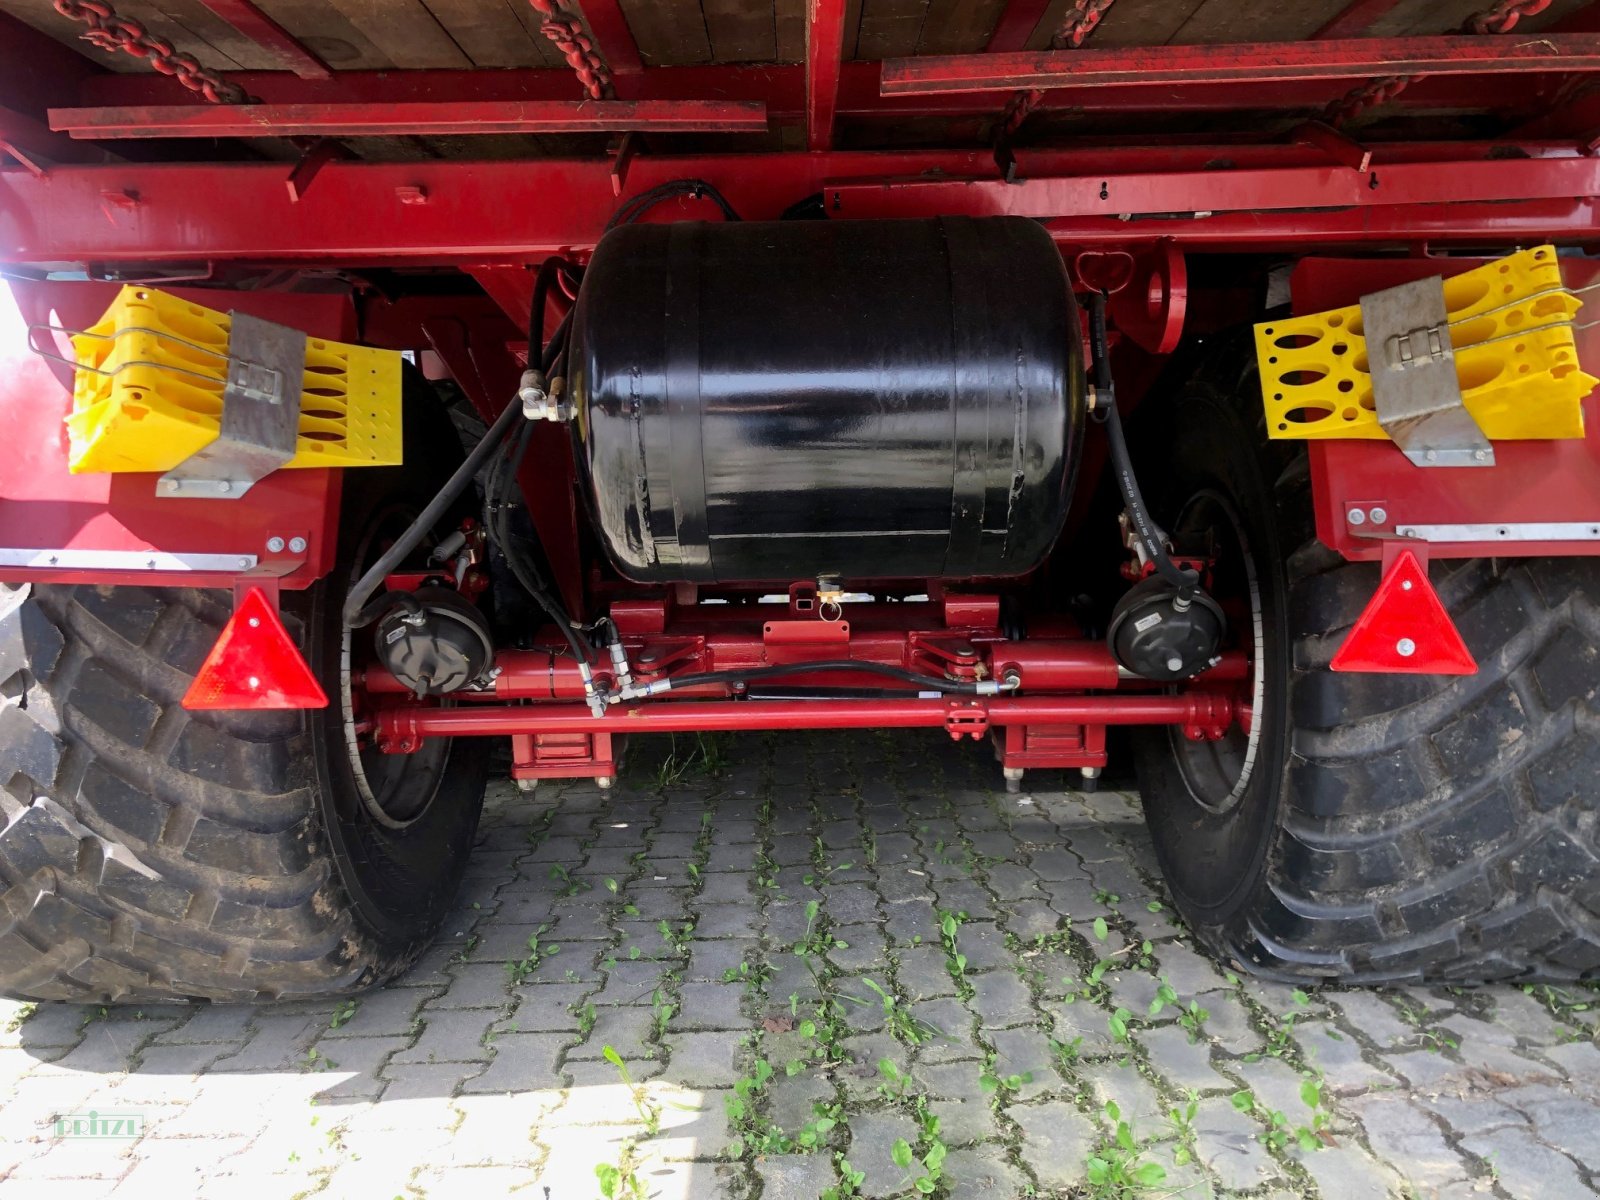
{"x":1408,"y":1136}
{"x":1228,"y":1144}
{"x":228,"y":1091}
{"x":704,"y":1060}
{"x":1000,"y":999}
{"x":872,"y":1139}
{"x":982,"y":1172}
{"x":1183,"y":1063}
{"x":923,"y":973}
{"x":1344,"y":1171}
{"x":473,"y":985}
{"x":522,"y":1062}
{"x":1338,"y":1056}
{"x":710,"y":1006}
{"x":628,"y":1030}
{"x":452,"y":1036}
{"x":794,"y":1176}
{"x":1056,"y":1139}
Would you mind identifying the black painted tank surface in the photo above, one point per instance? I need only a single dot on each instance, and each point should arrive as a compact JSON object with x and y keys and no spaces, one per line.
{"x":876,"y":400}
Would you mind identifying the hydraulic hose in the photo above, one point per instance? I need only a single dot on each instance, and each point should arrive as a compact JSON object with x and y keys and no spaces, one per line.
{"x":355,"y":614}
{"x":753,"y":674}
{"x":1149,"y":534}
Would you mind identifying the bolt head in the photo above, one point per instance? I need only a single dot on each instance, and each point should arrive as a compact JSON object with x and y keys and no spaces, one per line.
{"x":1174,"y":663}
{"x":255,"y":622}
{"x":1379,"y":516}
{"x":170,"y":485}
{"x":1405,"y":647}
{"x":297,"y":545}
{"x":253,"y":682}
{"x":1357,"y":516}
{"x":244,"y":563}
{"x":274,"y":545}
{"x":1405,"y":585}
{"x":224,"y":486}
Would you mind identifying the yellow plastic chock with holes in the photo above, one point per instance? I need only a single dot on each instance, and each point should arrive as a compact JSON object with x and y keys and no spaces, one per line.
{"x":1516,"y":358}
{"x":147,"y":393}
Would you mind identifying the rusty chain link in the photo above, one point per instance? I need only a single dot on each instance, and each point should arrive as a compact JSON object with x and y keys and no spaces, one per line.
{"x":567,"y":34}
{"x":111,"y":32}
{"x":1073,"y":31}
{"x":1502,"y":18}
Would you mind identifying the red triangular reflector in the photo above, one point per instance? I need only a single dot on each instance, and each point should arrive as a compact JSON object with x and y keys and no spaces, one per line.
{"x":1405,"y":629}
{"x":255,"y":664}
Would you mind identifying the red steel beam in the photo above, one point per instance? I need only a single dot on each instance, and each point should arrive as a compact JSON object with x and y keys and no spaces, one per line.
{"x":782,"y":89}
{"x":612,"y":37}
{"x":477,"y":212}
{"x":405,"y":725}
{"x":1016,"y":25}
{"x":824,"y":65}
{"x":269,"y":35}
{"x":1252,"y":62}
{"x":369,"y":120}
{"x":1357,"y":17}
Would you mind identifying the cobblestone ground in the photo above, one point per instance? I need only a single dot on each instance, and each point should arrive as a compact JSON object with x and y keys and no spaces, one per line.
{"x":843,"y":962}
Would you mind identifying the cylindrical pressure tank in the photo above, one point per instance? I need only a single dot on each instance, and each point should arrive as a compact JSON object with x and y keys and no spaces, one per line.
{"x":873,"y":400}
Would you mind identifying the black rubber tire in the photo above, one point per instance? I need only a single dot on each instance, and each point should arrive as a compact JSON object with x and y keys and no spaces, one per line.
{"x":149,"y":853}
{"x":1396,"y":828}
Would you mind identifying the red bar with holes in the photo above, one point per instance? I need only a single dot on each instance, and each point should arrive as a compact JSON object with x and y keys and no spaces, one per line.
{"x":1353,"y":58}
{"x":392,"y":120}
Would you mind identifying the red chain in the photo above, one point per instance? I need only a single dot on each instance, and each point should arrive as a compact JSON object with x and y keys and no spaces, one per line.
{"x":111,"y":32}
{"x":566,"y":34}
{"x":1502,"y":18}
{"x":1073,"y":31}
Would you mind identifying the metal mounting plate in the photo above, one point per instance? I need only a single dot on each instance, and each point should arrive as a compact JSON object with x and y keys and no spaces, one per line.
{"x":1414,"y":385}
{"x":260,"y":414}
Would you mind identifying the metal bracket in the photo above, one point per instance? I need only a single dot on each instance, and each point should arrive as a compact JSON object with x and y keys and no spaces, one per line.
{"x":260,"y":414}
{"x":1414,"y":385}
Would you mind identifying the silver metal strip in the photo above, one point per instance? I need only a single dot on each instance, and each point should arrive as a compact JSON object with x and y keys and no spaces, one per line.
{"x":1526,"y":531}
{"x":260,"y":414}
{"x":1414,"y":385}
{"x":123,"y":560}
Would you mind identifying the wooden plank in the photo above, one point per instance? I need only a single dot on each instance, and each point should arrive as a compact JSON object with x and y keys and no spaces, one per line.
{"x":405,"y":31}
{"x":326,"y":31}
{"x":959,"y":26}
{"x":168,"y":25}
{"x":741,"y":31}
{"x":789,"y":22}
{"x":530,"y":19}
{"x":890,"y":28}
{"x":204,"y":25}
{"x":1224,"y":22}
{"x":670,"y":33}
{"x":1423,"y":17}
{"x":488,"y":32}
{"x":1128,"y":23}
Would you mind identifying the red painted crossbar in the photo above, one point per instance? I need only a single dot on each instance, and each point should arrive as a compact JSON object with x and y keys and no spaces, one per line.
{"x":420,"y":117}
{"x":1252,"y":62}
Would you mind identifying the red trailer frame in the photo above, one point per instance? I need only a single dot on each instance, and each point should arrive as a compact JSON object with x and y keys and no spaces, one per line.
{"x":101,"y":182}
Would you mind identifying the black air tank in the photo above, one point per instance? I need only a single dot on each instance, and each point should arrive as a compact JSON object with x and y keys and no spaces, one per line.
{"x":876,"y":400}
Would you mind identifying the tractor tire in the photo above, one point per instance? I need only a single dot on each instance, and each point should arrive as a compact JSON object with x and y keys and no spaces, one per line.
{"x":150,"y":853}
{"x":1375,"y":828}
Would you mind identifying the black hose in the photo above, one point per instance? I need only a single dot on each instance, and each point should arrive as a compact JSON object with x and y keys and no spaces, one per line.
{"x":1187,"y":581}
{"x":636,"y":206}
{"x":355,"y":615}
{"x":931,"y":682}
